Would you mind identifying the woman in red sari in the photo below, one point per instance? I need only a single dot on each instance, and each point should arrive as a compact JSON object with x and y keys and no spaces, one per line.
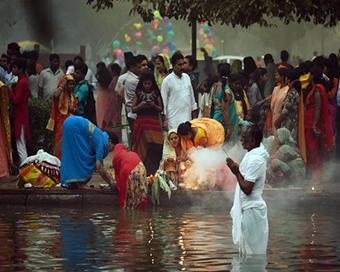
{"x":317,"y":126}
{"x":64,"y":105}
{"x":130,"y":175}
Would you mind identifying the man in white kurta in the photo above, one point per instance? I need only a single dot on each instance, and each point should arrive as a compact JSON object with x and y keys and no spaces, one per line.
{"x":249,"y":212}
{"x":177,"y":95}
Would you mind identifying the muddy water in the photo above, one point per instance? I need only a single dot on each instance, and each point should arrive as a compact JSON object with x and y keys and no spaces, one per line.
{"x":104,"y":239}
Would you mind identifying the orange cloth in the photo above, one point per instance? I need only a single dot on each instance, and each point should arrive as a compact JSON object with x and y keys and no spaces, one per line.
{"x":213,"y":131}
{"x":59,"y":113}
{"x":276,"y":101}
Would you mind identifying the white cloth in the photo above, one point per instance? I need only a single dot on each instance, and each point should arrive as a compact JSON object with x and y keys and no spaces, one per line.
{"x":10,"y":78}
{"x":178,"y":99}
{"x":91,"y":79}
{"x":33,"y":81}
{"x":131,"y":82}
{"x":21,"y":146}
{"x":249,"y":212}
{"x":204,"y":103}
{"x":48,"y":81}
{"x":120,"y":81}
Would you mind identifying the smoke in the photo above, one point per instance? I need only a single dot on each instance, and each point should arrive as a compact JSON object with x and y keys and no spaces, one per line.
{"x":209,"y":170}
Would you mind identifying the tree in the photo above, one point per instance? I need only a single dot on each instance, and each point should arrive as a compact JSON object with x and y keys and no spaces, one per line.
{"x":235,"y":12}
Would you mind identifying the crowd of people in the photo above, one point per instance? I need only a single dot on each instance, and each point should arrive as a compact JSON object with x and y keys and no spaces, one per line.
{"x":157,"y":103}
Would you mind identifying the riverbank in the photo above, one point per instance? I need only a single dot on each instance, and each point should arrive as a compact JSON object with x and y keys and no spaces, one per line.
{"x":327,"y":191}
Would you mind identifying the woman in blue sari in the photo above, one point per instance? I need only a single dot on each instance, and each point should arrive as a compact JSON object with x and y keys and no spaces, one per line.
{"x":223,"y":108}
{"x":84,"y":147}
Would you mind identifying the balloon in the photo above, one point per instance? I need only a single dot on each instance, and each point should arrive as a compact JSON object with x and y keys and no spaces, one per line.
{"x":214,"y":52}
{"x":160,"y":30}
{"x":205,"y":27}
{"x":150,"y":33}
{"x":147,"y":24}
{"x":166,"y":19}
{"x":127,"y":38}
{"x":138,"y":26}
{"x":206,"y":31}
{"x":171,"y":35}
{"x":156,"y":23}
{"x":172,"y":46}
{"x":209,"y":35}
{"x":119,"y":53}
{"x":168,"y":26}
{"x":201,"y":31}
{"x":139,"y":43}
{"x":159,"y":38}
{"x":116,"y":44}
{"x":121,"y":60}
{"x":207,"y":40}
{"x":138,"y":35}
{"x":157,"y":14}
{"x":155,"y":48}
{"x":165,"y":51}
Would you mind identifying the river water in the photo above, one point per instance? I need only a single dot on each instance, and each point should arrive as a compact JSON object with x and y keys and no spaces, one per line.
{"x":107,"y":239}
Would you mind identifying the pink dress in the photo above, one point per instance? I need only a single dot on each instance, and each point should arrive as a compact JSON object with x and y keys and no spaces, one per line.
{"x":101,"y":105}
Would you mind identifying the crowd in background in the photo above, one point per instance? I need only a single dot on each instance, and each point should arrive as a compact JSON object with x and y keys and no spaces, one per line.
{"x":145,"y":102}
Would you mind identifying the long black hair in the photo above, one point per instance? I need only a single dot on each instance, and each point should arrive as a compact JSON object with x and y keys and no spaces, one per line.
{"x":224,"y":72}
{"x":147,"y":75}
{"x":184,"y":129}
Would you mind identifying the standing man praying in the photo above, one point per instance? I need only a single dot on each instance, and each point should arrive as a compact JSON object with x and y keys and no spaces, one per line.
{"x":249,"y":212}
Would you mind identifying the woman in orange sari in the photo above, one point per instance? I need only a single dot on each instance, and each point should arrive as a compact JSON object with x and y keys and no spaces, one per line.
{"x":203,"y":132}
{"x":276,"y":101}
{"x":317,"y":126}
{"x":64,"y":105}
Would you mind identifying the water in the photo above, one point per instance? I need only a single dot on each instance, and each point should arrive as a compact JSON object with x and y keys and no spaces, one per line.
{"x":105,"y":239}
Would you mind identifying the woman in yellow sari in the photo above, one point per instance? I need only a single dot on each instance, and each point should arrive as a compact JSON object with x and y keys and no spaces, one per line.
{"x":204,"y":132}
{"x":162,"y":64}
{"x":64,"y":105}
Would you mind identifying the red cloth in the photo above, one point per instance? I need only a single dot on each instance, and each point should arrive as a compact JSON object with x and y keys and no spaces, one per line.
{"x":20,"y":110}
{"x":316,"y":146}
{"x":123,"y":162}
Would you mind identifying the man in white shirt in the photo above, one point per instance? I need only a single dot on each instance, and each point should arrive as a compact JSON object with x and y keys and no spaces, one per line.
{"x":177,"y":95}
{"x":131,"y":81}
{"x":249,"y":212}
{"x":49,"y":78}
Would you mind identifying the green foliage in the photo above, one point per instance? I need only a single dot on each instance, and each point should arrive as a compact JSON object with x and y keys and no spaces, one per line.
{"x":39,"y":114}
{"x":234,"y":12}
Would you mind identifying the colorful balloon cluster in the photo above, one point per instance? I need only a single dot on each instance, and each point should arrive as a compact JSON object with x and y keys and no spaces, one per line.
{"x":158,"y":35}
{"x":206,"y":38}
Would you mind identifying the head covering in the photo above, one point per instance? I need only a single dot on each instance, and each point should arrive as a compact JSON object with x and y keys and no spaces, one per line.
{"x":236,"y":66}
{"x":168,"y":150}
{"x":70,"y":70}
{"x":159,"y":78}
{"x":69,"y":77}
{"x":285,"y":137}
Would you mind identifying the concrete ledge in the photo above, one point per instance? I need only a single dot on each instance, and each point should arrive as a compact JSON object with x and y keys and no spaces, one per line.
{"x":276,"y":198}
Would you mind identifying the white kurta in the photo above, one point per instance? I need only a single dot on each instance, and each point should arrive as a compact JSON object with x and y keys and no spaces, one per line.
{"x":249,"y":212}
{"x":178,"y":99}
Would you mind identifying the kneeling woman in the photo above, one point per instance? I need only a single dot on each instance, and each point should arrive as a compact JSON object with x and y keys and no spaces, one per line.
{"x":173,"y":156}
{"x":286,"y":165}
{"x":84,"y":147}
{"x":201,"y":132}
{"x":130,"y":174}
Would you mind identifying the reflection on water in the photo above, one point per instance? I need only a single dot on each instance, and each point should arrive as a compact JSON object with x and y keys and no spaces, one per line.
{"x":100,"y":239}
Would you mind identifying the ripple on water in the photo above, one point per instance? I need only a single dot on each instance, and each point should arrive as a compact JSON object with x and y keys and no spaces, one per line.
{"x":162,"y":240}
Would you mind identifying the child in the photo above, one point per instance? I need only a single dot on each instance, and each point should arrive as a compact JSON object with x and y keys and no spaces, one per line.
{"x":148,"y":136}
{"x":19,"y":98}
